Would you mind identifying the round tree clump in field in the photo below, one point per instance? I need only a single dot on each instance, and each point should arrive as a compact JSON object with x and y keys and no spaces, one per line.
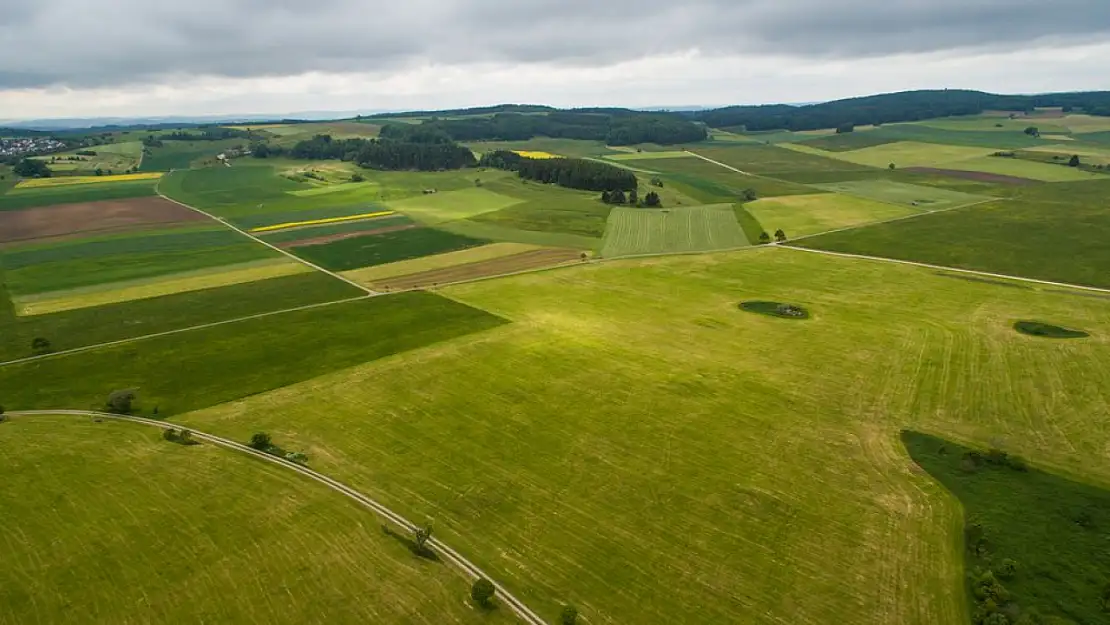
{"x":1048,"y":331}
{"x":776,"y":309}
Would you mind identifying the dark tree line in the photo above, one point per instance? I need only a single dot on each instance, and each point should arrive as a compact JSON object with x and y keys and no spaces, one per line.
{"x":574,"y":173}
{"x":626,"y":129}
{"x":895,"y":107}
{"x":382,"y":154}
{"x":207,"y":133}
{"x":31,"y":168}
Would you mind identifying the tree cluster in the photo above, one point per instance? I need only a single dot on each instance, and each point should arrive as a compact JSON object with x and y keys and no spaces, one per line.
{"x":383,"y":154}
{"x":894,"y":107}
{"x":207,"y":133}
{"x":574,"y":173}
{"x":618,"y":197}
{"x":262,"y":442}
{"x":31,"y":168}
{"x":629,"y":128}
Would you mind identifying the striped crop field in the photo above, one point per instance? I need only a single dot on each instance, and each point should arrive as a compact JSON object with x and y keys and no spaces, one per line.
{"x":65,"y":181}
{"x":633,"y":231}
{"x":320,"y":222}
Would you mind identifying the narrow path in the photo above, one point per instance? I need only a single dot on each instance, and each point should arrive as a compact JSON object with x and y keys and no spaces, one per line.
{"x":720,"y":164}
{"x":973,"y":272}
{"x":250,"y":236}
{"x":469,"y":568}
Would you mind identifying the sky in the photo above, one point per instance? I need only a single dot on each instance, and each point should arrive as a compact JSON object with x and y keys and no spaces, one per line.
{"x":127,"y":58}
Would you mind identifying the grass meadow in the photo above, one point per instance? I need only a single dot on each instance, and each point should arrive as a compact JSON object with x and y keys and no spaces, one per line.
{"x":810,"y":214}
{"x":636,"y":444}
{"x":916,"y":196}
{"x":19,"y":199}
{"x":1050,"y":232}
{"x":385,"y":247}
{"x":83,"y":326}
{"x":438,"y":261}
{"x":182,"y":372}
{"x":129,"y":528}
{"x":634,"y":231}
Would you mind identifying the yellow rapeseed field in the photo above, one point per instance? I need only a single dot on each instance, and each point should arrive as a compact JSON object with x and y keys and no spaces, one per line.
{"x":317,"y":222}
{"x":62,"y":181}
{"x":536,"y":154}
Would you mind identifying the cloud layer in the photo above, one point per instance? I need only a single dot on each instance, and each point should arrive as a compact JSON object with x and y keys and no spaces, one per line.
{"x":82,"y":44}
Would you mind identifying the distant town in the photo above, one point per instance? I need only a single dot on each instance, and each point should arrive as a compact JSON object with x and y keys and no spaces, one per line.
{"x":20,"y":146}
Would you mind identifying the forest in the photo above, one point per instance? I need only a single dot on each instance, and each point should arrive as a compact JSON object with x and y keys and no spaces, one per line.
{"x":907,"y":106}
{"x":626,"y":129}
{"x":574,"y":173}
{"x":384,"y":154}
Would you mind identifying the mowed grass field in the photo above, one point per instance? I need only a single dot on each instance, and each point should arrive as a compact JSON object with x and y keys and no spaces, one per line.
{"x":637,"y":445}
{"x":181,"y":372}
{"x":108,"y":523}
{"x":809,"y":214}
{"x":904,"y":154}
{"x":634,"y":231}
{"x":1053,"y":232}
{"x":920,"y":197}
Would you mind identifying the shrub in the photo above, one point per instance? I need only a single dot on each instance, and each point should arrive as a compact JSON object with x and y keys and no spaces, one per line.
{"x":750,"y":195}
{"x":569,"y":615}
{"x":261,"y":441}
{"x":121,"y":402}
{"x":296,"y":456}
{"x":764,"y":238}
{"x":40,"y":345}
{"x":357,"y":177}
{"x":482,"y":592}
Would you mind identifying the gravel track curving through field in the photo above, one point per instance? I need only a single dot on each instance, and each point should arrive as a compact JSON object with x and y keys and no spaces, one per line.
{"x":447,"y":553}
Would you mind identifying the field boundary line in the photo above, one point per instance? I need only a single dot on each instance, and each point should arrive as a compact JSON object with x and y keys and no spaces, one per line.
{"x":470,"y":569}
{"x":221,"y":220}
{"x":916,"y":215}
{"x":974,"y":272}
{"x":135,"y":339}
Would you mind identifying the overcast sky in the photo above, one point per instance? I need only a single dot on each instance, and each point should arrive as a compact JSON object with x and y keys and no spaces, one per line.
{"x":82,"y":58}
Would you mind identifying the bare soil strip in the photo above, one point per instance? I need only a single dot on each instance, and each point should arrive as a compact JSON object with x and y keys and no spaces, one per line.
{"x":977,"y":176}
{"x":91,"y":218}
{"x":523,"y":261}
{"x":332,"y":238}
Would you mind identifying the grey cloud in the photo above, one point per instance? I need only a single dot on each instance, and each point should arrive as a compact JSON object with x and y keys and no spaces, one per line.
{"x":112,"y":42}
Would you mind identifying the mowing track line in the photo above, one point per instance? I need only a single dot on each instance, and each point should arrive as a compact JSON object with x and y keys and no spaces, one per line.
{"x":469,"y":568}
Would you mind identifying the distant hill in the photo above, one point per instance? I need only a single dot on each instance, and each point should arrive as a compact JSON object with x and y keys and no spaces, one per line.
{"x":888,"y":108}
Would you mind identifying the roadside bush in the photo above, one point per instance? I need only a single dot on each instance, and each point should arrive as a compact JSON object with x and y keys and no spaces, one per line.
{"x":482,"y":593}
{"x":181,"y":437}
{"x":40,"y":345}
{"x":569,"y":615}
{"x":121,"y":402}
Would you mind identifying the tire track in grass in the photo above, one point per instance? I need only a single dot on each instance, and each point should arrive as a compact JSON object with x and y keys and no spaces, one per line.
{"x":470,"y":569}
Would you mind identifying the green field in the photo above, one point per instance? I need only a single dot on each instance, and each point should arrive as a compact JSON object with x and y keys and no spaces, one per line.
{"x":910,"y":154}
{"x":438,"y":208}
{"x":227,"y":362}
{"x":1051,"y":232}
{"x":753,"y":465}
{"x":494,"y":232}
{"x":1045,"y":172}
{"x":770,"y":160}
{"x":571,"y":148}
{"x":160,"y":241}
{"x":181,"y":154}
{"x":846,"y":141}
{"x":63,"y":275}
{"x":649,"y":156}
{"x":92,"y":326}
{"x":129,"y":528}
{"x":925,"y":197}
{"x":1050,"y":528}
{"x":809,"y":214}
{"x":385,"y":247}
{"x":547,"y":208}
{"x":712,"y":184}
{"x":365,"y":225}
{"x":33,"y":198}
{"x":634,"y":231}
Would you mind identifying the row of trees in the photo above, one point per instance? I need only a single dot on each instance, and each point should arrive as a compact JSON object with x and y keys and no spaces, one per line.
{"x":895,"y":107}
{"x":651,"y":200}
{"x":384,"y":154}
{"x":574,"y":173}
{"x":627,"y":129}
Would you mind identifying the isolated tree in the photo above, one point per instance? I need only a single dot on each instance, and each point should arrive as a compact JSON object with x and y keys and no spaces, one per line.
{"x":1074,"y":161}
{"x":633,"y":197}
{"x":261,"y":441}
{"x":569,"y":615}
{"x":357,"y":177}
{"x":421,"y":535}
{"x":652,"y":200}
{"x":764,"y":238}
{"x":40,"y":345}
{"x":606,"y":197}
{"x":780,"y":236}
{"x":482,"y":592}
{"x":617,"y":197}
{"x":121,"y":402}
{"x":98,"y":171}
{"x":169,"y":434}
{"x":1032,"y":131}
{"x":185,"y":437}
{"x":892,"y":166}
{"x":657,"y":182}
{"x":750,"y":195}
